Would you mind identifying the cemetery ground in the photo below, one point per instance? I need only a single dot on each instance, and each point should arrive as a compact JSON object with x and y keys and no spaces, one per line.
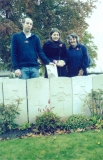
{"x":78,"y":137}
{"x":86,"y":145}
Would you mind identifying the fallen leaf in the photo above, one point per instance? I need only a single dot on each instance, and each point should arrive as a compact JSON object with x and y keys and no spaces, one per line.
{"x":54,"y":138}
{"x":97,"y":130}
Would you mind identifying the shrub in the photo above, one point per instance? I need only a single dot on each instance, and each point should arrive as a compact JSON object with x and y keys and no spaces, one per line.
{"x":8,"y":114}
{"x":99,"y":123}
{"x":94,"y":101}
{"x":47,"y":121}
{"x":25,"y":126}
{"x":78,"y":121}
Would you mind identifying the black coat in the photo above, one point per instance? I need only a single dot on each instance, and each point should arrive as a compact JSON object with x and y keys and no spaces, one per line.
{"x":56,"y":51}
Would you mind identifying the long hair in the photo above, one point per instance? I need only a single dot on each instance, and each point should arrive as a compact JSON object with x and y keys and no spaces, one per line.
{"x":52,"y":31}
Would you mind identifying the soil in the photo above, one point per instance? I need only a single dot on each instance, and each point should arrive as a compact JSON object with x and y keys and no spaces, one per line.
{"x":16,"y":134}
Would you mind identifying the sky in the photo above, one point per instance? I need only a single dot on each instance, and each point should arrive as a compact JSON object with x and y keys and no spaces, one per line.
{"x":96,"y":28}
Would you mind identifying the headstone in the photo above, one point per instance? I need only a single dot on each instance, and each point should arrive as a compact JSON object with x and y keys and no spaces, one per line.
{"x":38,"y":96}
{"x":98,"y":82}
{"x":82,"y":86}
{"x":15,"y":89}
{"x":98,"y":86}
{"x":61,"y":96}
{"x":1,"y":93}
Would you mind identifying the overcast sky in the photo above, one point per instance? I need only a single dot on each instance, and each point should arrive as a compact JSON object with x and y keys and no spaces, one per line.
{"x":96,"y":28}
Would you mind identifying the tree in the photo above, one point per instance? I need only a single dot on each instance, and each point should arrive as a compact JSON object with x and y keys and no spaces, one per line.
{"x":7,"y":27}
{"x":87,"y":40}
{"x":67,"y":15}
{"x":6,"y":30}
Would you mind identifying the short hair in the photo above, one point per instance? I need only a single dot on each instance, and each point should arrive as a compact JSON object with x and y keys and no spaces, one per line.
{"x":54,"y":30}
{"x":23,"y":20}
{"x":73,"y":35}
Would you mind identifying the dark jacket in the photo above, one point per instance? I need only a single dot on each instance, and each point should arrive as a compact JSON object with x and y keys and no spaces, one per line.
{"x":77,"y":59}
{"x":25,"y":51}
{"x":56,"y":51}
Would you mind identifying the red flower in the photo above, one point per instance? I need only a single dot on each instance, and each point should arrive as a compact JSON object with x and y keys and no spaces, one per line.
{"x":60,"y":45}
{"x":77,"y":48}
{"x":26,"y":42}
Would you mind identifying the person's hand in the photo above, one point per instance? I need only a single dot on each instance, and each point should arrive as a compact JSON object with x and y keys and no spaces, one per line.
{"x":60,"y":63}
{"x":51,"y":63}
{"x":80,"y":72}
{"x":18,"y":72}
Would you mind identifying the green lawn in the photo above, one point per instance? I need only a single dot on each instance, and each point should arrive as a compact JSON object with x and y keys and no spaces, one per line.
{"x":86,"y":145}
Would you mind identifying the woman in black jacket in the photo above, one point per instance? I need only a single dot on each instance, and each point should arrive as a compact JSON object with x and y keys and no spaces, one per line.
{"x":55,"y":50}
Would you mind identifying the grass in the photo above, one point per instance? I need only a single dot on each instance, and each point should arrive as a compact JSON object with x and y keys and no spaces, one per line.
{"x":86,"y":145}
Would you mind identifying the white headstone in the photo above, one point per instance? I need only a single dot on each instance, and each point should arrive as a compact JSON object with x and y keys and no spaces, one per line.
{"x":1,"y":94}
{"x":15,"y":89}
{"x":38,"y":96}
{"x":61,"y":96}
{"x":98,"y":86}
{"x":98,"y":82}
{"x":82,"y":85}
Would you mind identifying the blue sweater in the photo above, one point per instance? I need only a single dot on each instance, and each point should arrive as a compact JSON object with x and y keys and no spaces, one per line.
{"x":77,"y":59}
{"x":25,"y":51}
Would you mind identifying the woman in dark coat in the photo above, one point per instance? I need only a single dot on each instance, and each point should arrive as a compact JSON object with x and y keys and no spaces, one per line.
{"x":55,"y":50}
{"x":77,"y":57}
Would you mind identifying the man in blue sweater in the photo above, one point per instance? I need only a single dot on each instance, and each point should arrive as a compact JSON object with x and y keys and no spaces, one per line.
{"x":25,"y":49}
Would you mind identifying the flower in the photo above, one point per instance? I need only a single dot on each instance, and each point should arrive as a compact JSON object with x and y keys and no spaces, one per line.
{"x":60,"y":45}
{"x":77,"y":48}
{"x":26,"y":42}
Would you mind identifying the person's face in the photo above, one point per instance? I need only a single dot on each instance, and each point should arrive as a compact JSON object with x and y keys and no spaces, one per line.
{"x":27,"y":25}
{"x":73,"y":41}
{"x":55,"y":36}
